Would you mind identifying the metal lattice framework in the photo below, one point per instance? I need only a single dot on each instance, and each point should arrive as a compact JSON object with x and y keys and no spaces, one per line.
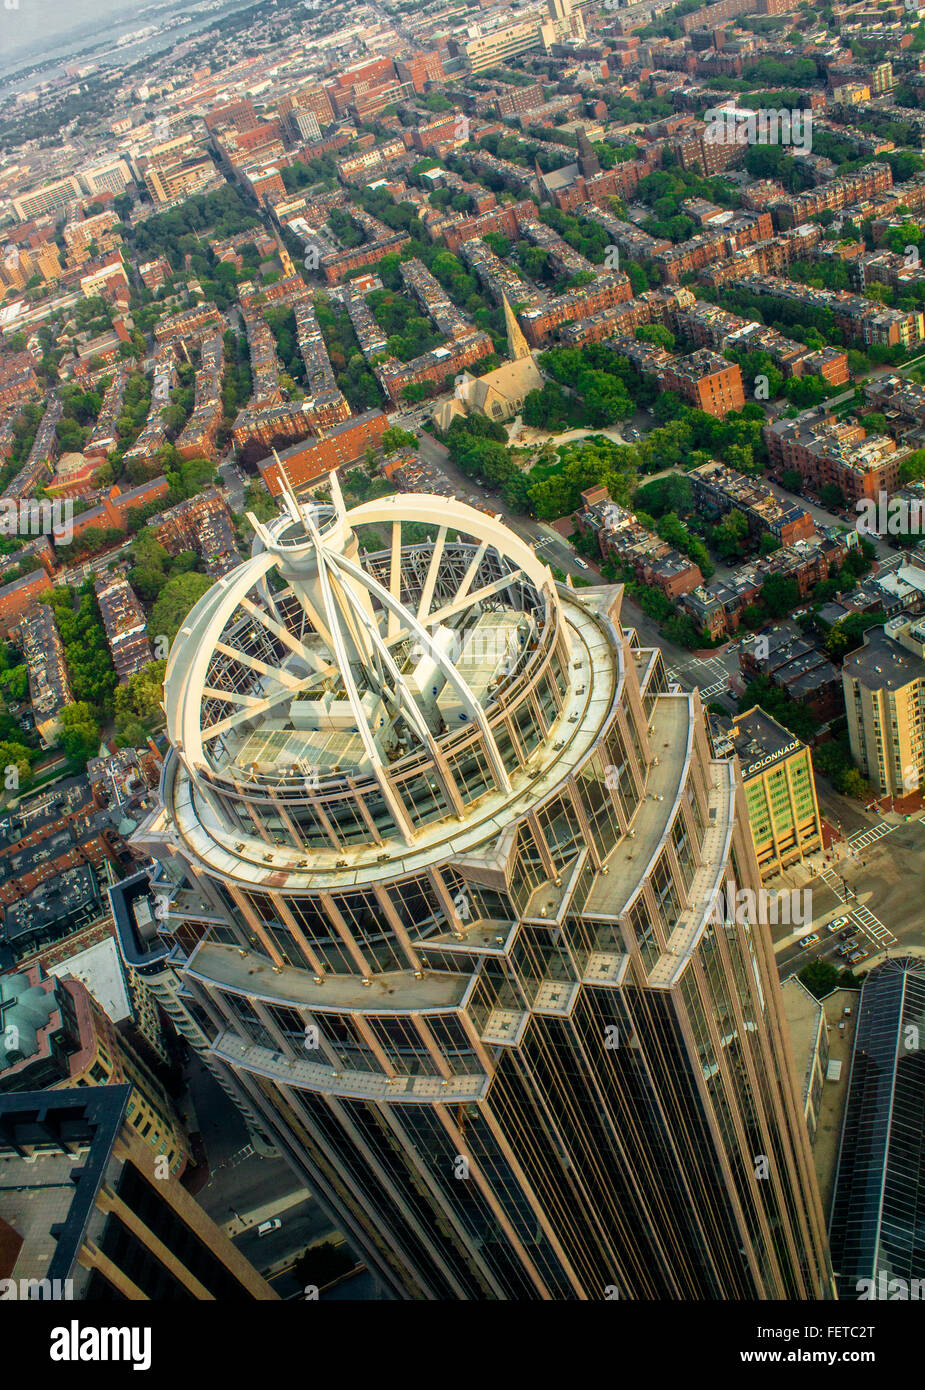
{"x":318,"y":657}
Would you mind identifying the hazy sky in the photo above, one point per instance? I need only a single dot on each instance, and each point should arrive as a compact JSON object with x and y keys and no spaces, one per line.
{"x":44,"y":25}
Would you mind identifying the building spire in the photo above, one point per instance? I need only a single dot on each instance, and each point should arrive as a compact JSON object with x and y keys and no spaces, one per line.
{"x":518,"y":347}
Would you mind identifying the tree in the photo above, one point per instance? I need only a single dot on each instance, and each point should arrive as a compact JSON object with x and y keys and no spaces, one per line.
{"x":656,"y":333}
{"x":174,"y":602}
{"x":138,"y":705}
{"x":147,"y":581}
{"x":779,"y":595}
{"x":730,"y":535}
{"x":912,"y":468}
{"x":15,"y":755}
{"x":395,"y":438}
{"x":322,"y":1264}
{"x":196,"y":474}
{"x":819,"y":977}
{"x":851,"y":783}
{"x":668,"y":406}
{"x":776,"y":702}
{"x":80,"y":732}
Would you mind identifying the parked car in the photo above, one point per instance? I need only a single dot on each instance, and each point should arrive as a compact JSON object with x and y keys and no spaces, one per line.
{"x":858,"y":955}
{"x":845,"y":935}
{"x":808,"y":940}
{"x":834,"y":926}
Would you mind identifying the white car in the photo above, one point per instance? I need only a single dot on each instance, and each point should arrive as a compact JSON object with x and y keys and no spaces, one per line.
{"x":582,"y":564}
{"x":836,"y":924}
{"x":266,"y":1227}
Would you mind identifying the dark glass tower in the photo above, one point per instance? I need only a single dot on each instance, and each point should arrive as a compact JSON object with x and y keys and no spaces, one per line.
{"x":877,"y":1224}
{"x":438,"y":847}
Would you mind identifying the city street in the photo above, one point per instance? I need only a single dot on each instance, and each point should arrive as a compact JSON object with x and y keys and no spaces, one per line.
{"x":303,"y":1224}
{"x":223,"y":1131}
{"x":869,"y":881}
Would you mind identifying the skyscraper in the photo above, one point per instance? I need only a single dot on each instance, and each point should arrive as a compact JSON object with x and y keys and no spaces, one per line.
{"x":86,"y":1213}
{"x":438,"y":855}
{"x":877,"y":1234}
{"x":54,"y":1035}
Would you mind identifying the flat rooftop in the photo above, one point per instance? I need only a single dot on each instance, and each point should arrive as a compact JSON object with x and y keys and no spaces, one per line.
{"x":671,"y":741}
{"x":882,"y":664}
{"x":760,"y":741}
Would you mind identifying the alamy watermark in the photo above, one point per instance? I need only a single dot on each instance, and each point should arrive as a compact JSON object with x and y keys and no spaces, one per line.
{"x":32,"y":517}
{"x":887,"y":1287}
{"x":489,"y":645}
{"x":791,"y":906}
{"x":735,"y":125}
{"x":160,"y":390}
{"x":48,"y":1290}
{"x":890,"y":516}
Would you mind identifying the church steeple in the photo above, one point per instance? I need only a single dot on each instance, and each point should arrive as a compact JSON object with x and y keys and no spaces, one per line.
{"x":288,"y":267}
{"x":588,"y":162}
{"x":518,"y":347}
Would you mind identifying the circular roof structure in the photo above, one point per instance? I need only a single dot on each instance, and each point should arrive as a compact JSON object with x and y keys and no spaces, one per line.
{"x":356,"y":644}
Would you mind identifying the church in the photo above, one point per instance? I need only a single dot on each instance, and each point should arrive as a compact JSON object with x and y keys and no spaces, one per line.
{"x":499,"y":394}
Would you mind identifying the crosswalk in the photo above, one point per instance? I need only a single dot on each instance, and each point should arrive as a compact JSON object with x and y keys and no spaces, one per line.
{"x":711,"y":666}
{"x":241,"y":1156}
{"x":873,"y":926}
{"x":862,"y":838}
{"x":860,"y":915}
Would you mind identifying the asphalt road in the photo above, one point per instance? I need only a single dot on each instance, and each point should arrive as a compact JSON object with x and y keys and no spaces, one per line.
{"x":219,"y":1122}
{"x":303,"y":1225}
{"x":869,"y":881}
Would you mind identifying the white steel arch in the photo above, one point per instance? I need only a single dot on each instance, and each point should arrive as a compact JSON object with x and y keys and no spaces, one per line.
{"x":304,"y":631}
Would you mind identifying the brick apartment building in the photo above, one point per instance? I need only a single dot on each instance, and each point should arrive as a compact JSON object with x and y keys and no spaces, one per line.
{"x":718,"y":489}
{"x":257,"y":430}
{"x":794,"y":664}
{"x":346,"y":443}
{"x":113,"y":509}
{"x":702,"y":379}
{"x":420,"y":68}
{"x":125,"y":625}
{"x":446,"y":361}
{"x":191,"y":322}
{"x":339,"y":263}
{"x":606,"y":292}
{"x":502,"y":219}
{"x":202,"y":524}
{"x":827,"y":451}
{"x":621,"y":538}
{"x":17,"y":597}
{"x":833,"y":195}
{"x":238,"y":114}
